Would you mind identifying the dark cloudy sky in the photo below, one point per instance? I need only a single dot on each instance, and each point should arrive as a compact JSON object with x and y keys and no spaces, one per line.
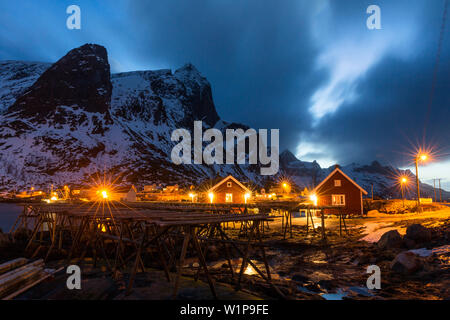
{"x":337,"y":91}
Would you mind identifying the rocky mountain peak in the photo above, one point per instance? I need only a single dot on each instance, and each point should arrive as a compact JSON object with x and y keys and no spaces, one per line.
{"x":287,"y":157}
{"x":190,"y":71}
{"x":198,"y":95}
{"x":80,"y":79}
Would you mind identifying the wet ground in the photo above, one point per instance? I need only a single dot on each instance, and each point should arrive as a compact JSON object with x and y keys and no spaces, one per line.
{"x":302,"y":267}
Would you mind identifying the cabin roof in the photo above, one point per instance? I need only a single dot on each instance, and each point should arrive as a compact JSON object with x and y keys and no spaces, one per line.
{"x":345,"y":176}
{"x":230,"y":177}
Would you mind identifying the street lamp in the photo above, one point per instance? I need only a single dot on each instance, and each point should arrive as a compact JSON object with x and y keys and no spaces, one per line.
{"x":287,"y":187}
{"x":422,"y":157}
{"x":246,"y":197}
{"x":403,"y":181}
{"x":313,"y":198}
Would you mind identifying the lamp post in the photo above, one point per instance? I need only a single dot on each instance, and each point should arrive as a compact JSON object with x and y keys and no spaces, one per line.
{"x":211,"y":197}
{"x":402,"y":182}
{"x":422,"y":157}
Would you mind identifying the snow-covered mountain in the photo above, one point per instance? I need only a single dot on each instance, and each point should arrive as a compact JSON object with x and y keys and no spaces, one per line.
{"x":69,"y":121}
{"x":384,"y":179}
{"x":16,"y":77}
{"x":76,"y":120}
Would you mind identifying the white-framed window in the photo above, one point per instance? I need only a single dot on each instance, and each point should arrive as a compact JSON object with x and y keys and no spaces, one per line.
{"x":337,"y":183}
{"x":228,"y":197}
{"x":338,"y":199}
{"x":229,"y":184}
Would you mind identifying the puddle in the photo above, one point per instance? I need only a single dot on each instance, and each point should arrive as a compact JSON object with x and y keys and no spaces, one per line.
{"x":250,"y":271}
{"x":361,"y":291}
{"x":339,"y":295}
{"x":305,"y":290}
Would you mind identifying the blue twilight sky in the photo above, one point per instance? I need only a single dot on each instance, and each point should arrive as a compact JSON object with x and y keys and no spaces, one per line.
{"x":339,"y":93}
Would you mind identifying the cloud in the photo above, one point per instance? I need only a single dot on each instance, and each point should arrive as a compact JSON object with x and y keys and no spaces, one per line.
{"x":352,"y":51}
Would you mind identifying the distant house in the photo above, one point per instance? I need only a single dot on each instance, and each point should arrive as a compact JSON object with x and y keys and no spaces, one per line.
{"x":340,"y":191}
{"x":171,"y":193}
{"x":127,"y":193}
{"x":229,"y":190}
{"x":150,"y":188}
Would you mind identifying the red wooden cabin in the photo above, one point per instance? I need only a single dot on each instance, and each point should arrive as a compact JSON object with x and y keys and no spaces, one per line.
{"x":340,"y":191}
{"x":229,"y":190}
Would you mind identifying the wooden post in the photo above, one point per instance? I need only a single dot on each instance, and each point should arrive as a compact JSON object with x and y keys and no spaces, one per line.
{"x":323,"y":225}
{"x":203,"y":262}
{"x":187,"y":236}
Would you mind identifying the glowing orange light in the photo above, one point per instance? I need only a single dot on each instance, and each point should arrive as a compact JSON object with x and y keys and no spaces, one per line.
{"x":246,"y":197}
{"x":211,"y":197}
{"x":404,"y":180}
{"x":313,"y":198}
{"x":104,"y":194}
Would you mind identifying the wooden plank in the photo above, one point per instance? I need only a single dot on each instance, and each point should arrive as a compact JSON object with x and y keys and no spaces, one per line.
{"x":11,"y":283}
{"x":37,"y":263}
{"x":10,"y":265}
{"x":31,"y":285}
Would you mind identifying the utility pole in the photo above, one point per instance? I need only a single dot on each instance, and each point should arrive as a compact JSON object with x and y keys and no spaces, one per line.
{"x":372,"y":191}
{"x":434,"y":188}
{"x":417,"y":183}
{"x":440,"y":191}
{"x":403,"y":195}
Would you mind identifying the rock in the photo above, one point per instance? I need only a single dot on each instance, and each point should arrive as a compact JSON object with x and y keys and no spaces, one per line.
{"x":373,"y":212}
{"x":406,"y":262}
{"x":418,"y":233}
{"x":409,"y":243}
{"x":299,"y":278}
{"x":391,"y":239}
{"x":325,"y":284}
{"x":81,"y":77}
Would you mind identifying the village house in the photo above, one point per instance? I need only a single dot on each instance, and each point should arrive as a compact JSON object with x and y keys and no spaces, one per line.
{"x":340,"y":191}
{"x":127,"y":193}
{"x":229,"y":190}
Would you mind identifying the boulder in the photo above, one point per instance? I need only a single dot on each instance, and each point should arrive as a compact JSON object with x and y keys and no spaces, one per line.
{"x":391,"y":239}
{"x":409,"y":243}
{"x":418,"y":233}
{"x":406,"y":262}
{"x":299,"y":278}
{"x":373,"y":213}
